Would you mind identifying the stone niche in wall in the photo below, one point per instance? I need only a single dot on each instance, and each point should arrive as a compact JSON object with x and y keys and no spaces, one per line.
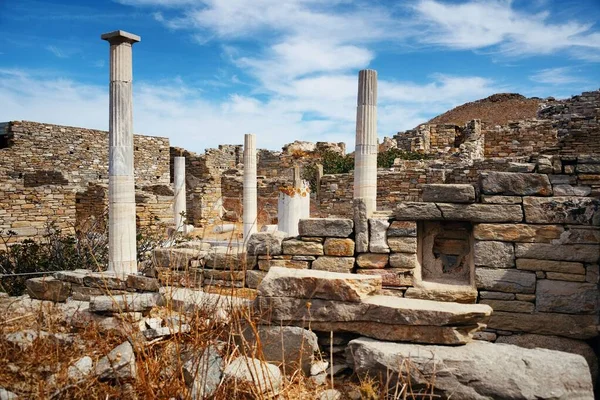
{"x":446,"y":252}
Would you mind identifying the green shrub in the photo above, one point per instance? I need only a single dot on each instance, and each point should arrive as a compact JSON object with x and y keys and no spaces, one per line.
{"x":385,"y":159}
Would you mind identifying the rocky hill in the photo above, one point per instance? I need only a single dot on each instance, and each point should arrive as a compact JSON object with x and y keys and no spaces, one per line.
{"x":495,"y":110}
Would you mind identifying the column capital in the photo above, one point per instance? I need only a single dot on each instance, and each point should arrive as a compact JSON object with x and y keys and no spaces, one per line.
{"x":116,"y":37}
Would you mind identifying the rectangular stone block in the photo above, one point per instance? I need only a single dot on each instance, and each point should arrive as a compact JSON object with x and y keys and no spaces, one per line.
{"x":309,"y":284}
{"x":372,"y":260}
{"x":403,"y":260}
{"x":402,"y":229}
{"x":417,"y":211}
{"x":339,"y":247}
{"x":558,"y":276}
{"x":254,"y":278}
{"x":494,"y":254}
{"x":481,"y":212}
{"x":396,"y":277}
{"x":402,"y":244}
{"x":573,"y":326}
{"x":588,"y":169}
{"x":76,"y":276}
{"x":508,"y":280}
{"x":378,"y":235}
{"x":495,"y":199}
{"x":326,"y":227}
{"x":562,"y":210}
{"x":448,"y":193}
{"x":266,"y":265}
{"x":518,"y":232}
{"x":566,"y":252}
{"x":510,"y":306}
{"x":566,"y":297}
{"x":361,"y":225}
{"x":48,"y":288}
{"x":512,"y":183}
{"x":496,"y":295}
{"x":334,"y":264}
{"x":104,"y":280}
{"x":565,"y":267}
{"x":300,"y":247}
{"x":124,"y":303}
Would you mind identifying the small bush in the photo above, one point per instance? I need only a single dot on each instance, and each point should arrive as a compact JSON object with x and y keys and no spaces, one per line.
{"x":385,"y":159}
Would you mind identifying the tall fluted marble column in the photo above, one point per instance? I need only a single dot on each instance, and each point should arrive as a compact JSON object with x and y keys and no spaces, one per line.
{"x":365,"y":156}
{"x":122,"y":254}
{"x":179,"y":200}
{"x":250,"y":184}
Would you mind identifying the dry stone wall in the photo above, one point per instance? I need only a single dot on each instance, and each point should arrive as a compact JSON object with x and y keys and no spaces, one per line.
{"x":59,"y":174}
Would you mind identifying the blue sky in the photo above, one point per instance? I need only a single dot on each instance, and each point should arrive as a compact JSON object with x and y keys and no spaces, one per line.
{"x":208,"y":71}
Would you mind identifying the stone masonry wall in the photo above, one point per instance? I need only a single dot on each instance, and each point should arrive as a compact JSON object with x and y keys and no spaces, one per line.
{"x":51,"y":173}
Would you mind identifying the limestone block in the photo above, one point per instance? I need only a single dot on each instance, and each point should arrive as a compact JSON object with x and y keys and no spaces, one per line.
{"x":266,"y":265}
{"x":566,"y":297}
{"x":518,"y":232}
{"x":176,"y":258}
{"x":254,"y":278}
{"x":104,"y":280}
{"x":118,"y":364}
{"x":588,"y":168}
{"x":203,"y":371}
{"x":521,"y":167}
{"x":372,"y":260}
{"x":403,"y":260}
{"x":339,"y":247}
{"x":566,"y":252}
{"x":76,"y":276}
{"x":592,"y":273}
{"x":569,"y":190}
{"x":565,"y":277}
{"x":309,"y":284}
{"x":496,"y":295}
{"x":448,"y":193}
{"x":509,"y":306}
{"x":289,"y":346}
{"x":403,"y":244}
{"x":519,"y":184}
{"x":496,"y":199}
{"x":532,"y":341}
{"x":481,"y":212}
{"x":494,"y":254}
{"x":565,"y":267}
{"x":264,"y":377}
{"x":458,"y":294}
{"x":142,"y":283}
{"x":518,"y":373}
{"x":562,"y":210}
{"x":223,"y":275}
{"x":417,"y":211}
{"x":265,"y":243}
{"x":402,"y":229}
{"x":225,"y":258}
{"x":300,"y":247}
{"x":124,"y":303}
{"x":326,"y":227}
{"x":334,"y":264}
{"x":361,"y":225}
{"x":568,"y":325}
{"x":395,"y":277}
{"x":510,"y":281}
{"x":48,"y":288}
{"x":378,"y":235}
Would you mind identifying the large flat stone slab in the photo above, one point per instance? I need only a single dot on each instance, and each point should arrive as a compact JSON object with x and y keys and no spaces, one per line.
{"x":326,"y":227}
{"x":448,"y":193}
{"x":383,"y":309}
{"x":519,"y":184}
{"x":481,"y":212}
{"x":587,"y":253}
{"x":196,"y":301}
{"x":505,"y":280}
{"x":48,"y":288}
{"x":562,"y":210}
{"x":133,"y":302}
{"x":476,"y":371}
{"x":518,"y":232}
{"x":314,"y":284}
{"x":176,"y":258}
{"x":417,"y":211}
{"x":573,"y":326}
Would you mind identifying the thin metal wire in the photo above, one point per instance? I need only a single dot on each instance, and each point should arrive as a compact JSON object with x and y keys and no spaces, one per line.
{"x":27,"y":273}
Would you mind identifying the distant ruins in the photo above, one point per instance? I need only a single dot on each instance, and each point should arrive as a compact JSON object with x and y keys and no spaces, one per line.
{"x":503,"y":218}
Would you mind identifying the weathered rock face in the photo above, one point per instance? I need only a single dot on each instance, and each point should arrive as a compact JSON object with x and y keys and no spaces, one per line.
{"x":459,"y":294}
{"x":403,"y":260}
{"x":494,"y":254}
{"x":225,"y":258}
{"x":372,"y":260}
{"x":449,"y":193}
{"x":510,"y":305}
{"x":519,"y":184}
{"x":124,"y":303}
{"x":565,"y":267}
{"x":566,"y":297}
{"x":176,"y":258}
{"x":510,"y":281}
{"x":566,"y":252}
{"x":378,"y":235}
{"x":399,"y":277}
{"x":290,"y":346}
{"x":301,"y":247}
{"x":562,"y":210}
{"x":403,"y":244}
{"x":402,"y":229}
{"x":264,"y":376}
{"x":573,"y":326}
{"x":265,"y":243}
{"x":254,"y":278}
{"x":413,"y":211}
{"x":326,"y":227}
{"x":338,"y":247}
{"x":265,"y":265}
{"x":203,"y":372}
{"x":312,"y":284}
{"x":333,"y":264}
{"x":478,"y":370}
{"x":481,"y":212}
{"x":142,"y":283}
{"x":48,"y":288}
{"x":531,"y":341}
{"x":118,"y":364}
{"x":518,"y":232}
{"x":104,"y":280}
{"x":361,"y":225}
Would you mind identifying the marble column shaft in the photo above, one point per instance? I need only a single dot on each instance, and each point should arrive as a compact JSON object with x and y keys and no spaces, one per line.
{"x":250,"y":186}
{"x":365,"y":156}
{"x":179,"y":200}
{"x":122,"y":253}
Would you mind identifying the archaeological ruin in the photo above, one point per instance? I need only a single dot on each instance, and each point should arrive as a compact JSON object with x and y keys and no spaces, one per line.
{"x":476,"y":265}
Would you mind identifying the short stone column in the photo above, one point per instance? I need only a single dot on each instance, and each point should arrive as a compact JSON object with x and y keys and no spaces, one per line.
{"x":293,"y":205}
{"x":122,"y":254}
{"x":250,"y":185}
{"x":179,"y":199}
{"x":365,"y":156}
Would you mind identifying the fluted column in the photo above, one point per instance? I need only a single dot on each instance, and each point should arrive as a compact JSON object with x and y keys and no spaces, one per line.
{"x":365,"y":156}
{"x":249,"y":201}
{"x":179,"y":200}
{"x":122,"y":255}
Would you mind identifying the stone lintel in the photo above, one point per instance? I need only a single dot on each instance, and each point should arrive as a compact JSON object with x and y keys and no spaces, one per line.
{"x":120,"y":37}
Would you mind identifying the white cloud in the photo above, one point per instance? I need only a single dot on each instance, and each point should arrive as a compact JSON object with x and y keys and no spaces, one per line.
{"x":57,"y":52}
{"x":495,"y":24}
{"x":556,"y":76}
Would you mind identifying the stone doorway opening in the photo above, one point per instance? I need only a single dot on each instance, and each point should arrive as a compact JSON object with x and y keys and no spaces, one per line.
{"x":446,"y":252}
